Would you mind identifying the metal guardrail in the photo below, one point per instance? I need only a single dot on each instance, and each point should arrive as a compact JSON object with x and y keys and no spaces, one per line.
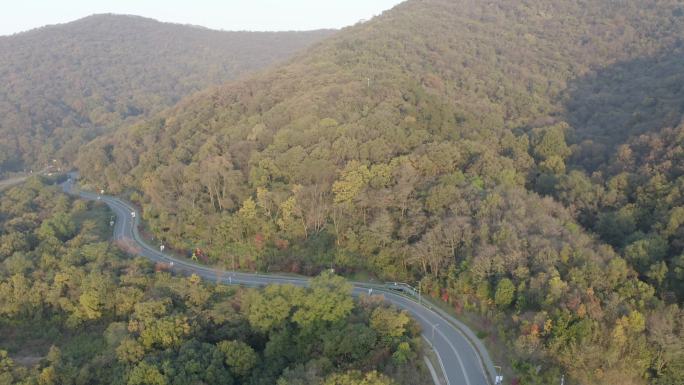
{"x":409,"y":292}
{"x":402,"y":287}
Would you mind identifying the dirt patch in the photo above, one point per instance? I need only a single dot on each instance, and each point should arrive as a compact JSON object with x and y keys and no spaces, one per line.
{"x":129,"y":246}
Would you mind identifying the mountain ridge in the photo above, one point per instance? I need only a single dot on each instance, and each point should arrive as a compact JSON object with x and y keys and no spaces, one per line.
{"x":65,"y":84}
{"x":121,"y":17}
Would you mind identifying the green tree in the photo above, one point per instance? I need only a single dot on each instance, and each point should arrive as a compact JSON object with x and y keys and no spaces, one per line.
{"x":505,"y":293}
{"x":549,"y":142}
{"x":165,"y":332}
{"x":271,"y":308}
{"x":352,"y":180}
{"x":130,"y":351}
{"x":329,"y":300}
{"x":6,"y":366}
{"x":389,"y":323}
{"x":341,"y":349}
{"x":403,"y":354}
{"x":358,"y":378}
{"x":146,"y":374}
{"x":239,"y":357}
{"x":645,"y":252}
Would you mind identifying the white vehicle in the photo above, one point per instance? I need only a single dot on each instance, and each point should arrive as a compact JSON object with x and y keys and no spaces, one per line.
{"x":132,"y":214}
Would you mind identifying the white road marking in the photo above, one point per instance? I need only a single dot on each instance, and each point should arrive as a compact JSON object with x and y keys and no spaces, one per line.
{"x":453,"y":348}
{"x":439,"y":358}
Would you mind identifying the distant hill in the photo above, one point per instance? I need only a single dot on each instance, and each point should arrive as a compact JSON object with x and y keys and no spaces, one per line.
{"x":65,"y":84}
{"x":450,"y":143}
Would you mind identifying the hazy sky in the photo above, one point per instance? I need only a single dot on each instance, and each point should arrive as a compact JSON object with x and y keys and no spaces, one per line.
{"x":256,"y":15}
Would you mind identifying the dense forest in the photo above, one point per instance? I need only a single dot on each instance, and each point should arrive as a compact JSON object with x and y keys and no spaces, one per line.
{"x":626,"y":177}
{"x":74,"y":310}
{"x":63,"y":85}
{"x":521,"y":160}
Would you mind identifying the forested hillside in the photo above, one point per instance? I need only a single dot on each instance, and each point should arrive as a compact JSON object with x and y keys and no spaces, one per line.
{"x":63,"y":85}
{"x":626,"y":178}
{"x":74,"y":310}
{"x":475,"y":147}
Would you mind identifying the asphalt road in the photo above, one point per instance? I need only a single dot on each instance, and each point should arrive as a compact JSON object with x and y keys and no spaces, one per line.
{"x":17,"y":179}
{"x":462,"y":356}
{"x":6,"y":183}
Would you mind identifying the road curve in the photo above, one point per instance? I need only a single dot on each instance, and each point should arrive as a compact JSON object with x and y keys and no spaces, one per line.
{"x":463,"y":358}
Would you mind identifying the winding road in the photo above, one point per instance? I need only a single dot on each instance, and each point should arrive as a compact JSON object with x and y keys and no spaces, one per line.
{"x":17,"y":179}
{"x":462,"y":356}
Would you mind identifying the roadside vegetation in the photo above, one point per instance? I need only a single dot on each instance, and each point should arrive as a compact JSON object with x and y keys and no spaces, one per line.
{"x":75,"y":310}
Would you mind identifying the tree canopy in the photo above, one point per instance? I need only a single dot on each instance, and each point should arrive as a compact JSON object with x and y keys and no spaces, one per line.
{"x":75,"y":310}
{"x":457,"y":145}
{"x":65,"y":84}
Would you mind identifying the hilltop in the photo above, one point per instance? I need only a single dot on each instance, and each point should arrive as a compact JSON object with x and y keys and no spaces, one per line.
{"x":65,"y":84}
